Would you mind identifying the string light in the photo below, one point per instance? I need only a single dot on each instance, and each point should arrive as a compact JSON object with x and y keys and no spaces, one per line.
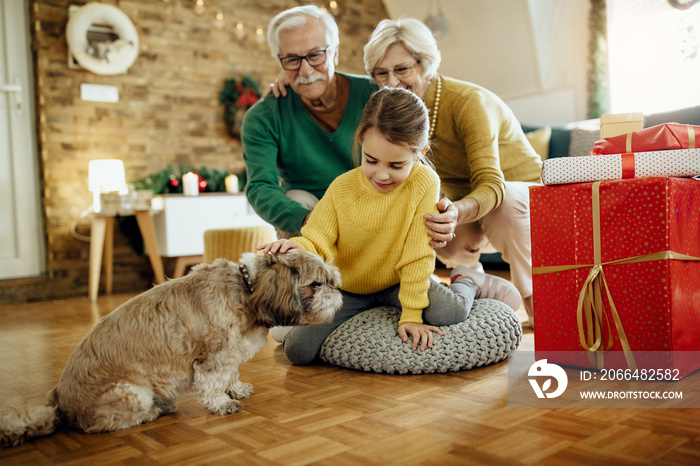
{"x":239,"y":32}
{"x":199,"y":8}
{"x":259,"y":34}
{"x":219,"y":22}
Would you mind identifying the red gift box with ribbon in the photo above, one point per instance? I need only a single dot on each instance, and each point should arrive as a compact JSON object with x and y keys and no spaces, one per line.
{"x":616,"y":271}
{"x":669,"y":136}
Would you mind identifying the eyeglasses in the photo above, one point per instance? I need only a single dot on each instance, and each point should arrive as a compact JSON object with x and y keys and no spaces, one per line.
{"x":401,"y":71}
{"x":315,"y":58}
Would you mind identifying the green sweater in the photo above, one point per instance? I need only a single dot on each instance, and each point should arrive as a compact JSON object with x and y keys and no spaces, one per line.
{"x":284,"y":148}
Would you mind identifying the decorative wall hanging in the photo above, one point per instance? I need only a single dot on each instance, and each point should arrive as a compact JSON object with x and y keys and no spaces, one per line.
{"x":102,"y":39}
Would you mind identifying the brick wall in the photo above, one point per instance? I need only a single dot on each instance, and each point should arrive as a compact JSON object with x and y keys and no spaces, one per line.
{"x":168,"y":112}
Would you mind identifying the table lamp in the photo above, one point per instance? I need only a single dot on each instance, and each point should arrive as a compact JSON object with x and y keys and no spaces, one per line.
{"x":106,"y":180}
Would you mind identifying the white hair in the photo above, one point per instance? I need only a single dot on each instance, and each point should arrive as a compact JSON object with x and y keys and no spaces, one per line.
{"x":296,"y":17}
{"x":415,"y":36}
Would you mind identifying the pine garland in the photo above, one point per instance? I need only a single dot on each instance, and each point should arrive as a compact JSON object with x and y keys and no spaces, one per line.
{"x":169,"y":180}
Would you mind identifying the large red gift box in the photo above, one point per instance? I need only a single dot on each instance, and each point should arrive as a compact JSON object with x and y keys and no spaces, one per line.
{"x":616,"y":267}
{"x":669,"y":136}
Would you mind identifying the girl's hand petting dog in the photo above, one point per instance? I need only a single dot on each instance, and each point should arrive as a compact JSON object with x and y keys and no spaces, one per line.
{"x":420,"y":332}
{"x":278,"y":247}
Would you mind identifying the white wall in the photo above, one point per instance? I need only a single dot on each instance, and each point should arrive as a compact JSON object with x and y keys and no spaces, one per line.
{"x":532,"y":53}
{"x":651,"y":47}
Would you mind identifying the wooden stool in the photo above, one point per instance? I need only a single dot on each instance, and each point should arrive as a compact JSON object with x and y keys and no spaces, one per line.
{"x":231,"y":243}
{"x":183,"y":262}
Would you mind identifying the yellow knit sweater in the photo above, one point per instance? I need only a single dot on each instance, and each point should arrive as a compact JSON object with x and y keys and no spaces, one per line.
{"x":478,"y":143}
{"x":378,"y":240}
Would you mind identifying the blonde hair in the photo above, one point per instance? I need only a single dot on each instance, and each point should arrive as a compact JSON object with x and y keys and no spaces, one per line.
{"x":296,"y":17}
{"x":399,"y":115}
{"x":415,"y":36}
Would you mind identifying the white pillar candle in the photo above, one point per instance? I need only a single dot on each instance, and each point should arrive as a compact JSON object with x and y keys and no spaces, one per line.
{"x":190,"y":184}
{"x":231,"y":184}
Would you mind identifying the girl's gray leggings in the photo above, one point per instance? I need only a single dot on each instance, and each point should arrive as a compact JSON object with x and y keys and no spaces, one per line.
{"x":448,"y":305}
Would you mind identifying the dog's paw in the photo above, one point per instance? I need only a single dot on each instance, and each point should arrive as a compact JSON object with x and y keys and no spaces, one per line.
{"x":228,"y":407}
{"x":240,"y":390}
{"x":166,"y":408}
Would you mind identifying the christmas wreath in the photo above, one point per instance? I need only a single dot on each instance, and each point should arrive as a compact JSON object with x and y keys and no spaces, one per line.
{"x":237,"y":98}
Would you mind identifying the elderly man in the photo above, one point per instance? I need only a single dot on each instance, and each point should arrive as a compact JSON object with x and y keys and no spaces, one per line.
{"x":295,"y":146}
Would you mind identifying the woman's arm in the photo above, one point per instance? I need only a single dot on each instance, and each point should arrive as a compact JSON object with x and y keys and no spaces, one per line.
{"x":441,"y":226}
{"x":478,"y":120}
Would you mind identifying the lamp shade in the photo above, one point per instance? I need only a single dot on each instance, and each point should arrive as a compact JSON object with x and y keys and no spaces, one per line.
{"x":106,"y":176}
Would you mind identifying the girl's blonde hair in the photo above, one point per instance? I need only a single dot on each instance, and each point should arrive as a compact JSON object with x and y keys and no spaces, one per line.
{"x":399,"y":115}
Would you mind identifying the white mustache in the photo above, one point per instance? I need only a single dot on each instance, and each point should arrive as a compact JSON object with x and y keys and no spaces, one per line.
{"x":311,"y":79}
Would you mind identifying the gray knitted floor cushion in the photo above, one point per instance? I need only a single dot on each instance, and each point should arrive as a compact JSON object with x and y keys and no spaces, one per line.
{"x":369,"y":342}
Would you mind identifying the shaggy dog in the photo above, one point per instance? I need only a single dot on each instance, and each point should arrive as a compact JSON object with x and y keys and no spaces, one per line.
{"x":188,"y":335}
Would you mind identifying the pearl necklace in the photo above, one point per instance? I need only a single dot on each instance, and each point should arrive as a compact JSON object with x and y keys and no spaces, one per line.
{"x":433,"y":115}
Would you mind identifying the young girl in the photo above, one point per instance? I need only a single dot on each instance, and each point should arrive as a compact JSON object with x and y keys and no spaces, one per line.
{"x":370,"y":223}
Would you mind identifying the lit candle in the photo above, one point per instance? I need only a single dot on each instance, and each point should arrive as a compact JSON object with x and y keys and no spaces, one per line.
{"x":231,"y":184}
{"x":190,"y":184}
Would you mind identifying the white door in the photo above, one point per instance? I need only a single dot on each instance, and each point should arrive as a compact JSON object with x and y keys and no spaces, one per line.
{"x":21,"y":229}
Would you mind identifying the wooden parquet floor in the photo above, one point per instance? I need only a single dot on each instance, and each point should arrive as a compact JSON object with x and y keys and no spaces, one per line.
{"x":332,"y":416}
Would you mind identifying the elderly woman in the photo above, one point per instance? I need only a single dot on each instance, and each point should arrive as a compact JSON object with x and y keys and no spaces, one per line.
{"x":484,"y":160}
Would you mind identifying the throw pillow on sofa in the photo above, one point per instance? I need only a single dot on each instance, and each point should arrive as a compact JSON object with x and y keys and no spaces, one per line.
{"x":582,"y":141}
{"x":539,"y":140}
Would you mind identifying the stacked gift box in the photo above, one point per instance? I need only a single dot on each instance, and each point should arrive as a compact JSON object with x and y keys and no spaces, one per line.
{"x":616,"y":253}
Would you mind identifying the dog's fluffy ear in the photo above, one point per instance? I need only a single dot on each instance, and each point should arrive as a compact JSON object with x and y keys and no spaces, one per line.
{"x":248,"y":257}
{"x":277,"y":299}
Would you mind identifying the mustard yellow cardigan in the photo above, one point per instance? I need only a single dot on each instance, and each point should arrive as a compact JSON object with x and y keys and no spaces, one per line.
{"x":478,"y":143}
{"x":378,"y":239}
